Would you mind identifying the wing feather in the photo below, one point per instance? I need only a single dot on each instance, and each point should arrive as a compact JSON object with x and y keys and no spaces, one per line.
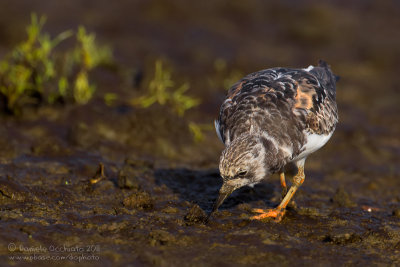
{"x":218,"y":130}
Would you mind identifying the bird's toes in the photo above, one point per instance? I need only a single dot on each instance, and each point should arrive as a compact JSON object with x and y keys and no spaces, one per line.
{"x":258,"y":210}
{"x":258,"y":217}
{"x":275,"y":214}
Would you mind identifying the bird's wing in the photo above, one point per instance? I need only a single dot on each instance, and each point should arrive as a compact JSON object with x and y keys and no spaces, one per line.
{"x":220,"y":123}
{"x":308,"y":93}
{"x":315,"y":98}
{"x":226,"y":109}
{"x":230,"y":109}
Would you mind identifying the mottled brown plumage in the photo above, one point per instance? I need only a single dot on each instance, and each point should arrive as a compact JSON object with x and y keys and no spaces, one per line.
{"x":273,"y":117}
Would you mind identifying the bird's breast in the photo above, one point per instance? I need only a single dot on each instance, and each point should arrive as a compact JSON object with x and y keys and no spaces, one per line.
{"x":313,"y":143}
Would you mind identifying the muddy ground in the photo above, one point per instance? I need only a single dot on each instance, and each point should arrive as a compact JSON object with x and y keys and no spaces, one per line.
{"x":148,"y":207}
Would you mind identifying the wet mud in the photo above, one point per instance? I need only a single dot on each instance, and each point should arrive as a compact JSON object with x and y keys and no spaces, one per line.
{"x":121,"y":185}
{"x":147,"y":213}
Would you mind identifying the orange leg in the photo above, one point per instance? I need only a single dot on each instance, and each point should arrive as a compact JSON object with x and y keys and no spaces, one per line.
{"x":283,"y":184}
{"x":279,"y":211}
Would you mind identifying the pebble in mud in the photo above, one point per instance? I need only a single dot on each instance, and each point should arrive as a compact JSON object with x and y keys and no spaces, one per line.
{"x":139,"y":200}
{"x":195,"y":215}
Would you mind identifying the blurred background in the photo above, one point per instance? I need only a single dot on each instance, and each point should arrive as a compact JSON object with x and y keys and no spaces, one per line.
{"x":206,"y":47}
{"x":144,"y":80}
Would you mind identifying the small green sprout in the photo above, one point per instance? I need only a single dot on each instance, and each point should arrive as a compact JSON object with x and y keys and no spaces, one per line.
{"x":181,"y":102}
{"x":89,"y":55}
{"x":160,"y":92}
{"x":83,"y":91}
{"x":110,"y":98}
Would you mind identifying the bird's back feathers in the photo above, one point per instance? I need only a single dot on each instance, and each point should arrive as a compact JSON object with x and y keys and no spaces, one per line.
{"x":282,"y":103}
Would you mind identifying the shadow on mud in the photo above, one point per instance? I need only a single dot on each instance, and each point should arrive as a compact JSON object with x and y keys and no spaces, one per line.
{"x":202,"y":186}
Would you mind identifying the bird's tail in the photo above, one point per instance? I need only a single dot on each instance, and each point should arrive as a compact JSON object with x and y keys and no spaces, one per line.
{"x":325,"y":76}
{"x":326,"y":71}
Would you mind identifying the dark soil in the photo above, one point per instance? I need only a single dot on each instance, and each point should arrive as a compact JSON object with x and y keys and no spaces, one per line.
{"x":149,"y":205}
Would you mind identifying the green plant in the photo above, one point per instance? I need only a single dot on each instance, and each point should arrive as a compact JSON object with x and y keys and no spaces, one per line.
{"x":160,"y":91}
{"x":34,"y":72}
{"x":88,"y":55}
{"x":30,"y":65}
{"x":197,"y":130}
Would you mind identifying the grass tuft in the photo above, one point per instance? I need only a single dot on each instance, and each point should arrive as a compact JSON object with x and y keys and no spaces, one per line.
{"x":35,"y":72}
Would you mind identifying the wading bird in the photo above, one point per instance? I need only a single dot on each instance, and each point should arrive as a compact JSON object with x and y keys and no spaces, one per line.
{"x":271,"y":118}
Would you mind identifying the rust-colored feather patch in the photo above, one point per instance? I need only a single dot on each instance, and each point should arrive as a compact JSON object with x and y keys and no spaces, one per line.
{"x":304,"y":95}
{"x":235,"y":90}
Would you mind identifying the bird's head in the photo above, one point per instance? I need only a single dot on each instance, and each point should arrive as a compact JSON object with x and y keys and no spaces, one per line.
{"x":241,"y":163}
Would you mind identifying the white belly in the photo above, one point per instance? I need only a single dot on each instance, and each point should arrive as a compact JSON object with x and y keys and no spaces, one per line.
{"x":313,"y":143}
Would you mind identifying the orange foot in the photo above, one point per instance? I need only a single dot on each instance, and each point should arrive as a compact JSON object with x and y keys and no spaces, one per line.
{"x":276,"y":214}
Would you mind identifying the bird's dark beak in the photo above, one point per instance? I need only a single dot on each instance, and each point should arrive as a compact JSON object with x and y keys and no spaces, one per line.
{"x":224,"y":192}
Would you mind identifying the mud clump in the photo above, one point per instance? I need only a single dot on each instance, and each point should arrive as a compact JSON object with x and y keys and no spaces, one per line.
{"x":342,"y":237}
{"x":13,"y":190}
{"x":195,"y":215}
{"x":139,"y":200}
{"x":130,"y":174}
{"x":160,"y":238}
{"x":342,"y":199}
{"x":127,"y":180}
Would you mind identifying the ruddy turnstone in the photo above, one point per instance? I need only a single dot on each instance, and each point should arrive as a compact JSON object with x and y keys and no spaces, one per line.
{"x":269,"y":119}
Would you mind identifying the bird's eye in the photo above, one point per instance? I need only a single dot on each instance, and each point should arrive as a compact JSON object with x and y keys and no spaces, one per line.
{"x":242,"y":173}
